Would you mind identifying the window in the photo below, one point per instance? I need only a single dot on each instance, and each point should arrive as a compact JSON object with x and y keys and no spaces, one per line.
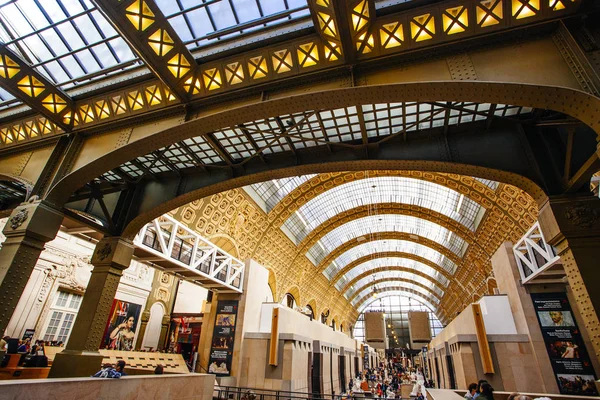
{"x":62,"y":317}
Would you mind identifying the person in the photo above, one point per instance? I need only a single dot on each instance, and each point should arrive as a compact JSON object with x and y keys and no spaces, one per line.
{"x":4,"y":343}
{"x":107,"y":371}
{"x":159,"y":370}
{"x":122,"y":336}
{"x":570,"y":351}
{"x":364,"y":385}
{"x":557,"y":318}
{"x":478,"y":392}
{"x":390,"y":394}
{"x":471,"y":392}
{"x":486,"y":392}
{"x":121,"y":367}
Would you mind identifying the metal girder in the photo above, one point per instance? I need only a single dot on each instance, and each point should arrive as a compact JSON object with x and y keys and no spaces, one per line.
{"x":147,"y":30}
{"x":343,"y":24}
{"x":35,"y":90}
{"x":536,"y":259}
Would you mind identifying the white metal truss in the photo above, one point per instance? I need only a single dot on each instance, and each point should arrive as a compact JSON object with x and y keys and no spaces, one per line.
{"x":176,"y":248}
{"x":536,"y":259}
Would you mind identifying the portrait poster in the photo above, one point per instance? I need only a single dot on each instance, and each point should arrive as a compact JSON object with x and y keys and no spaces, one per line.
{"x":120,"y":328}
{"x":569,"y":358}
{"x":221,"y":349}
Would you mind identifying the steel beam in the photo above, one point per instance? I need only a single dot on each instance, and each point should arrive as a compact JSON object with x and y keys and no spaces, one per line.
{"x":143,"y":25}
{"x":35,"y":90}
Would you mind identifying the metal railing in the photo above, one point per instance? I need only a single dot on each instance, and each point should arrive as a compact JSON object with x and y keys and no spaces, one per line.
{"x":242,"y":393}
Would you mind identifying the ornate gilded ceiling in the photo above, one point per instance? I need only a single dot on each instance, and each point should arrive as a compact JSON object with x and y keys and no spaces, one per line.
{"x":427,"y":235}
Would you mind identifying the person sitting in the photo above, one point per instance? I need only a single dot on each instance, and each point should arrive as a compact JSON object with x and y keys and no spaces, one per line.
{"x":107,"y":371}
{"x":471,"y":392}
{"x":478,"y":391}
{"x":159,"y":370}
{"x":121,"y":367}
{"x":486,"y":392}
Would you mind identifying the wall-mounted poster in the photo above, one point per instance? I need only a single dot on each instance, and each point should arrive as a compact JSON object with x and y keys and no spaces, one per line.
{"x":121,"y":325}
{"x":571,"y":363}
{"x":221,"y":349}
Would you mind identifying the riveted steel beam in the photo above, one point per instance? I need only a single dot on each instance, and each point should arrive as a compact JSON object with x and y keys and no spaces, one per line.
{"x":147,"y":30}
{"x":35,"y":90}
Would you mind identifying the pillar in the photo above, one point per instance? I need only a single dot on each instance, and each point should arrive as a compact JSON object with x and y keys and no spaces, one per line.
{"x":81,"y":357}
{"x":572,"y":225}
{"x":508,"y":278}
{"x":28,"y":229}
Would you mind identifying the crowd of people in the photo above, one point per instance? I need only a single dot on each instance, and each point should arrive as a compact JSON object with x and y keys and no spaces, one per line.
{"x":384,"y":382}
{"x":26,"y":346}
{"x":117,"y":371}
{"x":484,"y":391}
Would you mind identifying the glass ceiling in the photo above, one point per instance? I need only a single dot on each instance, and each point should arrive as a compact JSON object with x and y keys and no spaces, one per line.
{"x":67,"y":41}
{"x":366,"y":292}
{"x":381,"y":246}
{"x":385,"y":223}
{"x":361,"y":283}
{"x":201,"y":22}
{"x":390,"y":262}
{"x":382,"y":190}
{"x":409,"y":297}
{"x":272,"y":192}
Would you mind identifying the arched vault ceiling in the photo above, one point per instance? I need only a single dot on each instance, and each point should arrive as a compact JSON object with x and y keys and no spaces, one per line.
{"x":345,"y":263}
{"x":406,"y":275}
{"x":386,"y":267}
{"x":428,"y":301}
{"x":373,"y":193}
{"x":390,"y":235}
{"x":384,"y":282}
{"x":361,"y":226}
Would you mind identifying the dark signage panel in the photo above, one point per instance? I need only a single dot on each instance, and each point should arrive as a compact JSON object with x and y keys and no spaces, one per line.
{"x":570,"y":360}
{"x":221,"y":349}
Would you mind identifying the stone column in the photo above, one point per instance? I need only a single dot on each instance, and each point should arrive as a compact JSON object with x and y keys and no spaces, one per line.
{"x":28,"y":229}
{"x":81,"y":357}
{"x":572,"y":225}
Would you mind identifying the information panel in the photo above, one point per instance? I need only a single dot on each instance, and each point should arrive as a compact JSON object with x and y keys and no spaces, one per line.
{"x":570,"y":360}
{"x":221,"y":349}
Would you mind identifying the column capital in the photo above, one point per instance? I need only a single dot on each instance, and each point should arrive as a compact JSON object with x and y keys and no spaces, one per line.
{"x":113,"y":252}
{"x":570,"y":217}
{"x":37,"y":220}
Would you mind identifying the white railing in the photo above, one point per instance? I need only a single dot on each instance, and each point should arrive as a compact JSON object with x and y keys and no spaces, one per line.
{"x":533,"y":254}
{"x":188,"y":253}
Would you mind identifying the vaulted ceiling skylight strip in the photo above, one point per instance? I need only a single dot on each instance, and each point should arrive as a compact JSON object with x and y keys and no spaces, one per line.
{"x":370,"y":226}
{"x":374,"y":191}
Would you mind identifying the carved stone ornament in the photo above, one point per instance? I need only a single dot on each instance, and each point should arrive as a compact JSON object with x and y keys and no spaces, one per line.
{"x":582,"y":215}
{"x":18,"y":219}
{"x":104,"y":252}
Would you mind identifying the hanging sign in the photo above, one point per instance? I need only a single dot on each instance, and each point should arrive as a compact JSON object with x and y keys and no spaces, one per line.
{"x":570,"y":360}
{"x":221,"y":350}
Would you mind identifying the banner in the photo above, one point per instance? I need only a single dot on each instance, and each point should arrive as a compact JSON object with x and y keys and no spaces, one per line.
{"x":571,"y":363}
{"x":121,"y":325}
{"x":221,"y":349}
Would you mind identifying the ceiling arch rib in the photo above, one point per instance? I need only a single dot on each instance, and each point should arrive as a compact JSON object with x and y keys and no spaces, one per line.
{"x":350,"y":263}
{"x":376,"y":263}
{"x":373,"y":225}
{"x":379,"y":190}
{"x":391,"y":293}
{"x":373,"y":285}
{"x":396,"y":276}
{"x":482,"y":191}
{"x":383,"y":237}
{"x":382,"y":270}
{"x":366,"y":295}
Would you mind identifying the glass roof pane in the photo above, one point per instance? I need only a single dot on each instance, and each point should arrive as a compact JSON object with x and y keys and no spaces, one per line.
{"x":67,"y":41}
{"x":403,"y":299}
{"x":390,"y":262}
{"x":382,"y":190}
{"x":369,"y":291}
{"x":358,"y":286}
{"x":272,"y":192}
{"x":386,"y":223}
{"x":200,"y":23}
